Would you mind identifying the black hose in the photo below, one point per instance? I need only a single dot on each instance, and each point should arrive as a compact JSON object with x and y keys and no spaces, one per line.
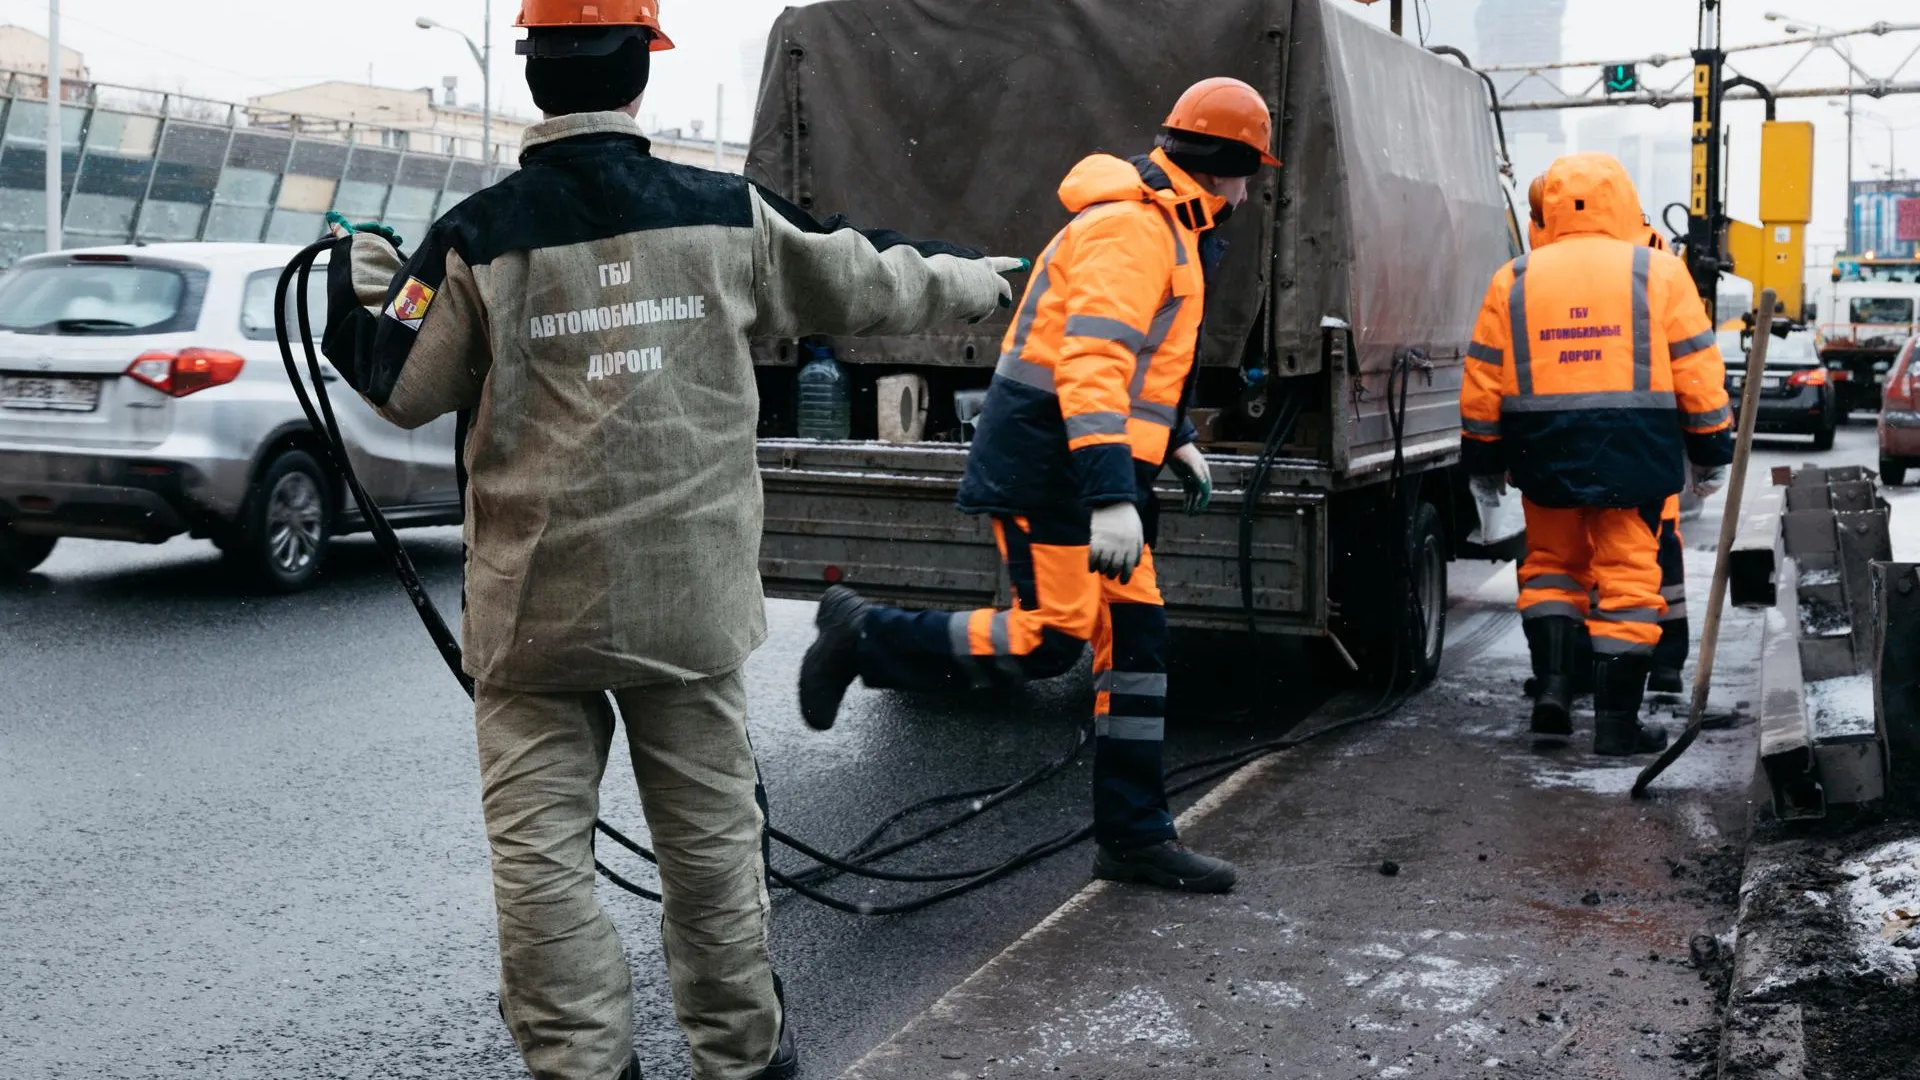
{"x":859,"y":859}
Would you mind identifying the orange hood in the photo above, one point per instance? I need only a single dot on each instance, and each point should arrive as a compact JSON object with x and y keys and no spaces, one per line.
{"x":1592,"y":195}
{"x":1103,"y":178}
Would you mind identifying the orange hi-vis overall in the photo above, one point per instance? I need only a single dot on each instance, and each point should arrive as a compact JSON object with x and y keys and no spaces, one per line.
{"x":1084,"y":408}
{"x":1592,"y":377}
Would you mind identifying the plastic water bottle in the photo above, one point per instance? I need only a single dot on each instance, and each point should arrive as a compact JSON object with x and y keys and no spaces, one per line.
{"x":826,"y":408}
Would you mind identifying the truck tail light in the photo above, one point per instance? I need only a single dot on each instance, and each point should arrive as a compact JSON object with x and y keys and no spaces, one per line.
{"x":1808,"y":377}
{"x":188,"y":371}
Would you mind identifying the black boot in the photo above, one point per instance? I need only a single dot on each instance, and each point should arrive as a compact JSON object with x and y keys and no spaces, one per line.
{"x":1665,"y":680}
{"x":833,"y":660}
{"x":1168,"y":864}
{"x":1553,"y":642}
{"x":1619,"y":684}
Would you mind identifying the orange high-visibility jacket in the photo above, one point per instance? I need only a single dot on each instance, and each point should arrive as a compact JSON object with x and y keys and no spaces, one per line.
{"x":1088,"y":397}
{"x":1593,"y":369}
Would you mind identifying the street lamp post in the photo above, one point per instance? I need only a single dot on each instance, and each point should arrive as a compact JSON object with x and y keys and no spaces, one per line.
{"x":1808,"y":26}
{"x":483,"y":56}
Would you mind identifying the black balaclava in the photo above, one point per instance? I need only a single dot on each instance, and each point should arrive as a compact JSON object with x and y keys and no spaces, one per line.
{"x":580,"y":84}
{"x":1209,"y":154}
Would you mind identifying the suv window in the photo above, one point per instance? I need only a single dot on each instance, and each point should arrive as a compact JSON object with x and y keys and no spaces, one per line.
{"x":101,"y":298}
{"x":256,"y":307}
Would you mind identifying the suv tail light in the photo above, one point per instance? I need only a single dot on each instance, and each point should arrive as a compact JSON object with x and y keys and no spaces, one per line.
{"x":1816,"y":376}
{"x":187,"y":371}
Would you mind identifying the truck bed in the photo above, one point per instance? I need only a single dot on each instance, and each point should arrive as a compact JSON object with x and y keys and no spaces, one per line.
{"x":880,"y":517}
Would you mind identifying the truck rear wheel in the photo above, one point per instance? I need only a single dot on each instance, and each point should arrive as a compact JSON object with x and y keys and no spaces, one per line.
{"x":1397,"y":633}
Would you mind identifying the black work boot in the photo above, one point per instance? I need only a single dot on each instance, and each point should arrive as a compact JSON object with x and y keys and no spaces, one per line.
{"x":1665,"y":680}
{"x":833,"y":660}
{"x":1619,"y":684}
{"x":1168,"y":864}
{"x":1554,"y":643}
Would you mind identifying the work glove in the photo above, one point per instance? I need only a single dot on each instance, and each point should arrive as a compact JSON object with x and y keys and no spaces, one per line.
{"x":1190,"y":465}
{"x":1002,"y":266}
{"x":1489,"y":488}
{"x":1117,"y":541}
{"x":1707,"y":479}
{"x":338,"y":224}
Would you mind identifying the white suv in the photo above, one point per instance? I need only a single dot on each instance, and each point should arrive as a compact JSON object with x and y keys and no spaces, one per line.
{"x":142,"y":396}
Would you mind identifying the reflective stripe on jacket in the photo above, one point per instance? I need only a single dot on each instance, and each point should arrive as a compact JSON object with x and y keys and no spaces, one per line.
{"x":1593,"y":368}
{"x":1087,"y":398}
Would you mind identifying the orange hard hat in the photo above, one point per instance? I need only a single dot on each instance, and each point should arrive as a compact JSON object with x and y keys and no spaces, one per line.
{"x":1225,"y":109}
{"x":591,"y":16}
{"x":1537,"y":200}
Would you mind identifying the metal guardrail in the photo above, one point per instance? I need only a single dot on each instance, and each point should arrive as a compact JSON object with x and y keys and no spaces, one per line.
{"x":147,"y":166}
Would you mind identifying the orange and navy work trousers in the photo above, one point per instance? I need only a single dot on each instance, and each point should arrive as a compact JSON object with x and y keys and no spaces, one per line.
{"x":1672,"y":650}
{"x":1060,"y":607}
{"x":1575,"y":554}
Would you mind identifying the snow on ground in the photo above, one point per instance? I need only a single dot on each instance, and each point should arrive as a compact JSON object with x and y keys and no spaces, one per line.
{"x":1883,"y":907}
{"x":1841,"y":707}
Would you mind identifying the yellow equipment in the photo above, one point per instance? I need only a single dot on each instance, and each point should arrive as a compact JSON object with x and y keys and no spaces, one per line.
{"x":1771,"y":254}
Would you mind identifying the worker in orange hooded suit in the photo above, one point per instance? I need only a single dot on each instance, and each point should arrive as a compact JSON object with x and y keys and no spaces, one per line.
{"x":1594,"y":382}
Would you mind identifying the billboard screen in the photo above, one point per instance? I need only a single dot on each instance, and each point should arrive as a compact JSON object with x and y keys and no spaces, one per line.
{"x":1886,"y":218}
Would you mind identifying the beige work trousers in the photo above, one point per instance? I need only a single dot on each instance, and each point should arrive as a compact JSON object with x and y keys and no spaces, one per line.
{"x":565,"y":989}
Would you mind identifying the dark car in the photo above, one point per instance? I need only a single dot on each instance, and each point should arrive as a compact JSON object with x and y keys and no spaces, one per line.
{"x":1797,"y":394}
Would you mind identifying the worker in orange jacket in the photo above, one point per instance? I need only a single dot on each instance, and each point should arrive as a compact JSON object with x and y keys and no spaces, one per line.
{"x":1670,"y":656}
{"x":1087,"y":405}
{"x":1592,"y":381}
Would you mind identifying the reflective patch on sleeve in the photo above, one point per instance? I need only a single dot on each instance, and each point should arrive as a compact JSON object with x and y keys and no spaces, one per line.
{"x":409,"y":306}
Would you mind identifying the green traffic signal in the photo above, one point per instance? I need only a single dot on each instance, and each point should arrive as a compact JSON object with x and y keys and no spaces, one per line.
{"x":1622,"y":78}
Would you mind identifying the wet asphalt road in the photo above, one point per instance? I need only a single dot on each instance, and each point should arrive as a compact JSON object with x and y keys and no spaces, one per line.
{"x":240,"y":835}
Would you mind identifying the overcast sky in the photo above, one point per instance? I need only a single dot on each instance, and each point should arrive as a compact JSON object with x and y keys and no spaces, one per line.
{"x":210,"y":47}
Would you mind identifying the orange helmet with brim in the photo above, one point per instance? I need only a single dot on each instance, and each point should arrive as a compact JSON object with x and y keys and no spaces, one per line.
{"x":588,"y":27}
{"x":1226,"y":109}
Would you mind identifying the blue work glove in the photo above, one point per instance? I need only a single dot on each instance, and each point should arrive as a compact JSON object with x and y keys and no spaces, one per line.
{"x":1190,"y":465}
{"x":339,"y":225}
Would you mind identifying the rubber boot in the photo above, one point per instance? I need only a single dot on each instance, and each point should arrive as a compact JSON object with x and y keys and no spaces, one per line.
{"x":833,"y":660}
{"x":1582,"y":662}
{"x":1553,"y":641}
{"x":1619,"y":685}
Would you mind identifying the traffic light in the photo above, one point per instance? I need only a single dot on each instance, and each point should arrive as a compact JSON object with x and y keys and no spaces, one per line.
{"x":1622,"y":78}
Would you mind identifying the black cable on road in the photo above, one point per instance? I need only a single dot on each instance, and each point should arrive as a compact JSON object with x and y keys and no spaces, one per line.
{"x":859,"y":859}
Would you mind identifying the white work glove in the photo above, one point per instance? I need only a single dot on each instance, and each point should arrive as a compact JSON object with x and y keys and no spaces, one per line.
{"x":1117,"y":540}
{"x":1001,"y":267}
{"x":1190,"y":465}
{"x":1488,"y":489}
{"x":1707,"y":479}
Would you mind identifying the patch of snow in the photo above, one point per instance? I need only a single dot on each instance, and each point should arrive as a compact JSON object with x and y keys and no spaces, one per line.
{"x":1275,"y":993}
{"x":1377,"y":951}
{"x":1139,"y":1015}
{"x":1829,"y":576}
{"x":1469,"y":1033}
{"x":1817,"y":899}
{"x":1883,"y":906}
{"x":1841,"y":707}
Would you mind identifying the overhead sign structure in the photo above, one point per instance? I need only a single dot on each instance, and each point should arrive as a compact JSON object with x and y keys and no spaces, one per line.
{"x":1621,"y":78}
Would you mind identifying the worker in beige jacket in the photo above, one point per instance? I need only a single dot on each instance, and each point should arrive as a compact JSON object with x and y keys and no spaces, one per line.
{"x":592,"y":312}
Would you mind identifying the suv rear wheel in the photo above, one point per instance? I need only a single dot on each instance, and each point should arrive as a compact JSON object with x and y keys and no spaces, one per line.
{"x":282,"y":540}
{"x":1893,"y":471}
{"x":21,"y":554}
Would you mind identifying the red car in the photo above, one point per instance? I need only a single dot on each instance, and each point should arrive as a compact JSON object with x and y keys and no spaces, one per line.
{"x":1899,"y":418}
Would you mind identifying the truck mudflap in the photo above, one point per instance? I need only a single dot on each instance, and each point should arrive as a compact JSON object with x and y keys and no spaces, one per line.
{"x":880,"y":517}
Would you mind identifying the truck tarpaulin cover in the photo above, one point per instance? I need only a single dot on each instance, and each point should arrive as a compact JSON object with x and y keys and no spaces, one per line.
{"x":957,"y":119}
